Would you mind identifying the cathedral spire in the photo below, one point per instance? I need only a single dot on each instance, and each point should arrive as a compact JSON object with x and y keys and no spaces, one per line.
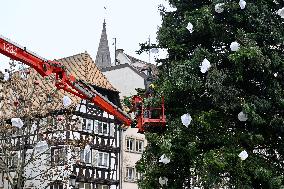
{"x":103,"y":54}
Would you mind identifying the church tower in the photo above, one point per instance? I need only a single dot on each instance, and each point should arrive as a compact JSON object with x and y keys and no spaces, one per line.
{"x":103,"y":54}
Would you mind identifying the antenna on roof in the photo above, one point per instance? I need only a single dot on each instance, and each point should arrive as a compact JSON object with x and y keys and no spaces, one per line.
{"x":149,"y":49}
{"x":114,"y":43}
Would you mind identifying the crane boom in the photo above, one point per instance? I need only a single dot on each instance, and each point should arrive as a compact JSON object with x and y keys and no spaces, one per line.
{"x":64,"y":81}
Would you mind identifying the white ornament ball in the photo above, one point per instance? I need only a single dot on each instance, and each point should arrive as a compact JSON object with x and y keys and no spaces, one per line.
{"x":242,"y":116}
{"x":17,"y":122}
{"x":6,"y":76}
{"x":242,"y":4}
{"x":189,"y":27}
{"x":67,"y":101}
{"x":205,"y":65}
{"x":164,"y":159}
{"x":275,"y":74}
{"x":186,"y":119}
{"x":163,"y":181}
{"x":235,"y":46}
{"x":280,"y":12}
{"x":154,"y":50}
{"x":243,"y":155}
{"x":219,"y":7}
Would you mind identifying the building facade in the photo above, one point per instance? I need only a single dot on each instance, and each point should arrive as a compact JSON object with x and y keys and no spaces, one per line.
{"x":127,"y":75}
{"x":55,"y":142}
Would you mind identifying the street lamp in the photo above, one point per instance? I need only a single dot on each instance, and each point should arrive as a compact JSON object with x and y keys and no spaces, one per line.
{"x":15,"y":182}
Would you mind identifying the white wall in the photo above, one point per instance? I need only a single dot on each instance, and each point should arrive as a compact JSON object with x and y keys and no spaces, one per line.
{"x":123,"y":59}
{"x":130,"y":158}
{"x":125,"y":80}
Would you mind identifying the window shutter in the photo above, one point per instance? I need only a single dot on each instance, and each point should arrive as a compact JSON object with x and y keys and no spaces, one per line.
{"x":95,"y":157}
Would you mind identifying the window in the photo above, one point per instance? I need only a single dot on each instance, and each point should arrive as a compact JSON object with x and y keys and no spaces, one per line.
{"x":58,"y":156}
{"x":103,"y":128}
{"x":82,"y":156}
{"x":85,"y":156}
{"x":139,"y":145}
{"x":81,"y":185}
{"x":87,"y":186}
{"x":56,"y":185}
{"x":112,"y":129}
{"x":134,"y":145}
{"x":103,"y":159}
{"x":89,"y":125}
{"x":96,"y":126}
{"x":15,"y":159}
{"x":88,"y":157}
{"x":130,"y":144}
{"x":84,"y":185}
{"x":100,"y":127}
{"x":103,"y":187}
{"x":132,"y":175}
{"x":129,"y":174}
{"x":81,"y":108}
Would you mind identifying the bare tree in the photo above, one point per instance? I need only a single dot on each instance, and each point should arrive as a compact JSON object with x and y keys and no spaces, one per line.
{"x":33,"y":129}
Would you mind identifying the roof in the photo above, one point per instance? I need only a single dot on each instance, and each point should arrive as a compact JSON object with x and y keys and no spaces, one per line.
{"x":83,"y":67}
{"x":134,"y":61}
{"x":32,"y":97}
{"x":146,"y":65}
{"x":116,"y":67}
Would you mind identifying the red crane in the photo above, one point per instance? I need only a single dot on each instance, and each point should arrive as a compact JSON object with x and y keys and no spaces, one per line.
{"x":79,"y":88}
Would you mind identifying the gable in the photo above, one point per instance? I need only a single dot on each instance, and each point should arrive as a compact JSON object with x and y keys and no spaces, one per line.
{"x":125,"y":80}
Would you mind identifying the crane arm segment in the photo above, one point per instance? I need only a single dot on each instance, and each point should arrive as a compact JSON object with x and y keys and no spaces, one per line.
{"x":63,"y":81}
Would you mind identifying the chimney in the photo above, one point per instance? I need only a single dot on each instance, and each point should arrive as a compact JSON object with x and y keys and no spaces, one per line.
{"x":119,"y":51}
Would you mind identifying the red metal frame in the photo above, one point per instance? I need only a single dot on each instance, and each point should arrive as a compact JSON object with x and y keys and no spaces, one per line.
{"x":64,"y":81}
{"x":144,"y":117}
{"x":77,"y":87}
{"x":152,"y":121}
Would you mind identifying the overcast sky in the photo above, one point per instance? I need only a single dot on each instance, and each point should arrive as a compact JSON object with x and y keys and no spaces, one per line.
{"x":60,"y":28}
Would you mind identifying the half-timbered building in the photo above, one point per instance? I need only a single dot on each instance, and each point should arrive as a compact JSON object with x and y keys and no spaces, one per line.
{"x":57,"y":142}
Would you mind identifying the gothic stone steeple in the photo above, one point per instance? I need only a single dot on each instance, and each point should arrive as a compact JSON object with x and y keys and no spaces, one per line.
{"x":103,"y":54}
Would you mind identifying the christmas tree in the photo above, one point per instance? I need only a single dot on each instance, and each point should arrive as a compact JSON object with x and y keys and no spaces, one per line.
{"x":223,"y":86}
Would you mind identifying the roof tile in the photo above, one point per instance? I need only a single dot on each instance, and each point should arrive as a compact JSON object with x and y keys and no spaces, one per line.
{"x":34,"y":96}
